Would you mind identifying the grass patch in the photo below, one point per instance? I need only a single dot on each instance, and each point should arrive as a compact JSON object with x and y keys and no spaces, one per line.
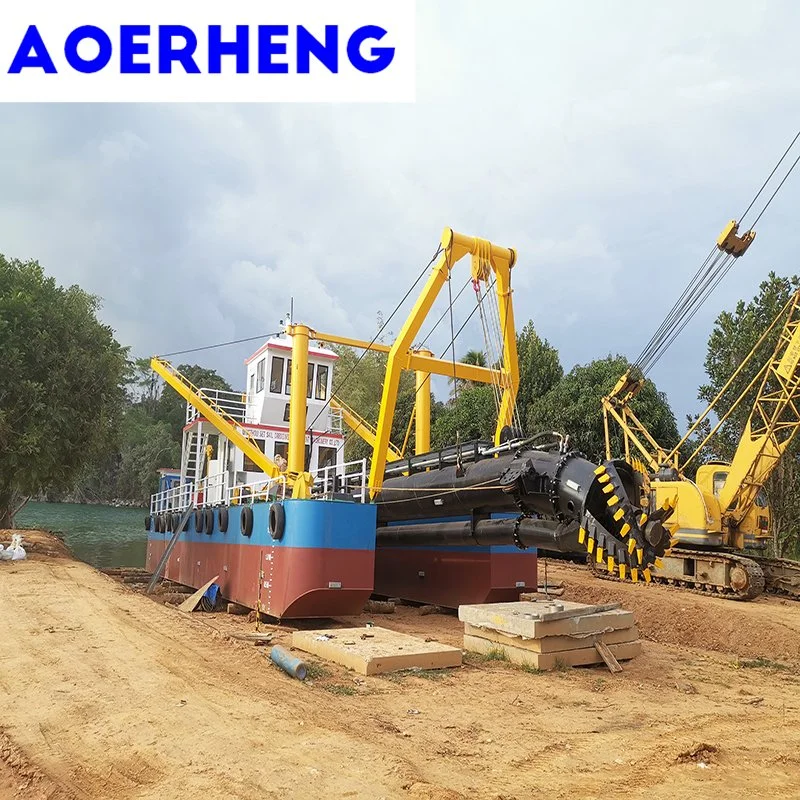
{"x":759,"y":663}
{"x":340,"y":689}
{"x":317,"y":671}
{"x":496,"y":654}
{"x":529,"y":668}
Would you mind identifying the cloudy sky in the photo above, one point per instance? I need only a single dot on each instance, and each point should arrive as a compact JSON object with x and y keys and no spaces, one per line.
{"x":607,"y":142}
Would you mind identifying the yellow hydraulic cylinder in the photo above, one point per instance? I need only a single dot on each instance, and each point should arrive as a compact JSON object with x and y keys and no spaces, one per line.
{"x":422,"y":407}
{"x":297,"y":399}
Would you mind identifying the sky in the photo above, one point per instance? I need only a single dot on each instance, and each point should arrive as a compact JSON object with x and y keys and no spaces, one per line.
{"x":608,"y":143}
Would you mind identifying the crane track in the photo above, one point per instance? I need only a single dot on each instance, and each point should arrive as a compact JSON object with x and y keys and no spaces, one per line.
{"x":774,"y":583}
{"x":755,"y":574}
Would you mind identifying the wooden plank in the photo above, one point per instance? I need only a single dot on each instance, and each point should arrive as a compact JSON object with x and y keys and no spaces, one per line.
{"x":554,"y":644}
{"x":374,"y":651}
{"x":547,"y":661}
{"x":608,"y":657}
{"x":190,"y":603}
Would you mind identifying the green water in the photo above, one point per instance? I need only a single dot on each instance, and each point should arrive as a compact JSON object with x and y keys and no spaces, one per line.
{"x":103,"y":536}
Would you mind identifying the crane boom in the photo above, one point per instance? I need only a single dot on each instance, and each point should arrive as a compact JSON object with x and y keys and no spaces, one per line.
{"x":772,"y":424}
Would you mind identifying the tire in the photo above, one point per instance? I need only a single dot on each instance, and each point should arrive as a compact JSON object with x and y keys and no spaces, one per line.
{"x":160,"y":523}
{"x":222,"y":518}
{"x":148,"y":521}
{"x":246,"y":521}
{"x":198,"y":520}
{"x":277,"y":521}
{"x":208,"y":521}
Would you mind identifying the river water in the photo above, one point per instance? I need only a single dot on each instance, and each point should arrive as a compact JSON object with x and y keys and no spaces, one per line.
{"x":103,"y":536}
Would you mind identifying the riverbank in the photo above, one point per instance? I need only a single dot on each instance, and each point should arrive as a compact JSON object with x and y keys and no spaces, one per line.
{"x":107,"y":694}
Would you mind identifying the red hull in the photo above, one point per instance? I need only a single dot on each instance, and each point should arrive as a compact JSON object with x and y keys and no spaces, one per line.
{"x":292,"y":576}
{"x":451,"y":578}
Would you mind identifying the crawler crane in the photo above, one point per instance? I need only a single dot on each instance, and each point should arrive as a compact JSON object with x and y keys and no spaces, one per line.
{"x":724,"y":510}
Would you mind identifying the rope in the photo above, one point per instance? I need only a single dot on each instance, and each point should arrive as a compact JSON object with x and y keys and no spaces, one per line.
{"x":221,"y":344}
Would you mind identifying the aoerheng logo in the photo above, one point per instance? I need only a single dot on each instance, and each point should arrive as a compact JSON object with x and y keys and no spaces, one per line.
{"x":164,"y":49}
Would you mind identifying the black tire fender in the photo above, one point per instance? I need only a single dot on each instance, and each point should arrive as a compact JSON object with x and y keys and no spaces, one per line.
{"x":148,"y":521}
{"x":198,"y":520}
{"x":246,"y":521}
{"x":222,"y":516}
{"x":208,"y":521}
{"x":277,"y":521}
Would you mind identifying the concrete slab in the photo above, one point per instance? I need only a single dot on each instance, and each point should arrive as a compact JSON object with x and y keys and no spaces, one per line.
{"x":554,"y":644}
{"x":546,"y":661}
{"x":530,"y":618}
{"x":374,"y":651}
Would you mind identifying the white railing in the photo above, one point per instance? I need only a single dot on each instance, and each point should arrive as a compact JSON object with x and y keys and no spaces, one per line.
{"x":268,"y":489}
{"x":348,"y":478}
{"x":230,"y":402}
{"x":211,"y":490}
{"x":178,"y":498}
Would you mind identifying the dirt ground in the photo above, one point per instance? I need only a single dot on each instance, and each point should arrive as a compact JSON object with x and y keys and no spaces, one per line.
{"x":107,"y":694}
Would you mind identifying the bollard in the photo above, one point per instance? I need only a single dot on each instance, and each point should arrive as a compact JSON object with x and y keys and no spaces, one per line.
{"x":288,"y":663}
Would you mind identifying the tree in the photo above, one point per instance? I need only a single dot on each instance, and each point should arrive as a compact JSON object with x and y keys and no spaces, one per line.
{"x":539,"y":368}
{"x":734,"y":335}
{"x":476,"y":358}
{"x":61,"y":384}
{"x":574,"y":407}
{"x":472,"y":416}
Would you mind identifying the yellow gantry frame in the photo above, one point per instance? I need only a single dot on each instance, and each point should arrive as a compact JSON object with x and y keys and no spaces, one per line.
{"x":487,"y":258}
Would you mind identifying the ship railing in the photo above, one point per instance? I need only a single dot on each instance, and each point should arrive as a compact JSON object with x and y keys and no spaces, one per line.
{"x":211,"y":490}
{"x":268,"y":489}
{"x":176,"y":499}
{"x":234,"y":404}
{"x":348,"y":478}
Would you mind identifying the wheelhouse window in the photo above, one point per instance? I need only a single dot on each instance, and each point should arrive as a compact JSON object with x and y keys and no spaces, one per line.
{"x":261,"y":374}
{"x":276,"y":375}
{"x":322,"y":383}
{"x":310,"y":381}
{"x":288,"y":389}
{"x":252,"y":383}
{"x":326,"y":457}
{"x":282,"y":449}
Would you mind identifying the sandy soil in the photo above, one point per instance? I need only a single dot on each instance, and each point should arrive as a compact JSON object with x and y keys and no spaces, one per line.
{"x":107,"y":694}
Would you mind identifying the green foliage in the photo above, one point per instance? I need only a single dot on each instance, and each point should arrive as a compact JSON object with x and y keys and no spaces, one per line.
{"x":61,"y":384}
{"x":573,"y":407}
{"x":472,"y":416}
{"x":539,"y":368}
{"x":734,"y":335}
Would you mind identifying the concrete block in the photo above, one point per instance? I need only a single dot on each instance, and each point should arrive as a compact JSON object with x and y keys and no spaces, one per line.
{"x":554,"y":644}
{"x":373,"y":651}
{"x":537,"y":619}
{"x":547,"y":661}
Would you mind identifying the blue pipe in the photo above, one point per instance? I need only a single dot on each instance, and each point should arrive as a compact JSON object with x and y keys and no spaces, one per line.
{"x":288,"y":663}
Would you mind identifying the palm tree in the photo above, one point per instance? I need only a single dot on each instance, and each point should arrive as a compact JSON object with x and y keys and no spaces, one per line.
{"x":476,"y":358}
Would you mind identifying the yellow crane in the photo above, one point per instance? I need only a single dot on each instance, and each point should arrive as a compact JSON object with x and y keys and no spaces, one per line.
{"x":724,"y":509}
